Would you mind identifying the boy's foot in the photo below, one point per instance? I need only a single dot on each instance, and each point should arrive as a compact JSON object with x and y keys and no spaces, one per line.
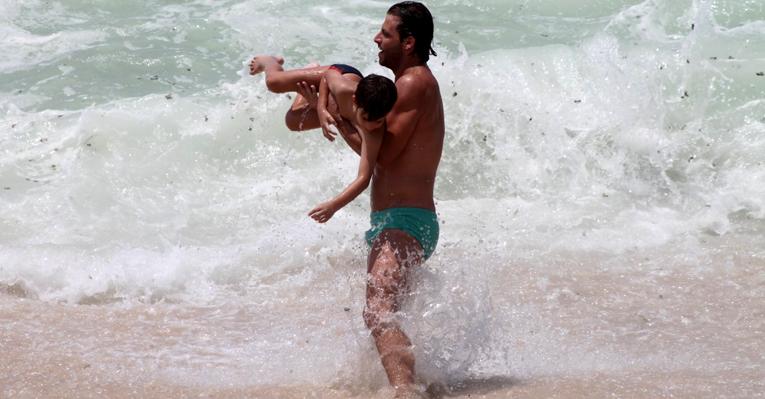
{"x":260,"y":62}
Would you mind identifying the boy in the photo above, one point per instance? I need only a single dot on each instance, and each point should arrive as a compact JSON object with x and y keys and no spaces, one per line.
{"x":344,"y":97}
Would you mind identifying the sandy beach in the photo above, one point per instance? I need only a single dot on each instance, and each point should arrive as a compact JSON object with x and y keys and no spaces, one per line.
{"x":162,"y":350}
{"x":600,"y":196}
{"x":28,"y":371}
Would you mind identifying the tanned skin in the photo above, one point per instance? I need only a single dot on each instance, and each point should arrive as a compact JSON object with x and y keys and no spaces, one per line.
{"x":404,"y":176}
{"x":333,"y":104}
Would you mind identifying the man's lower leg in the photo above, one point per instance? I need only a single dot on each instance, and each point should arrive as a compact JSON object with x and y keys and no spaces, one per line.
{"x":396,"y":355}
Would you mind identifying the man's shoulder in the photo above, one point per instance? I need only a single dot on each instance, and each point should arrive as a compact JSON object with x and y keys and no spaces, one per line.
{"x":416,"y":81}
{"x":410,"y":81}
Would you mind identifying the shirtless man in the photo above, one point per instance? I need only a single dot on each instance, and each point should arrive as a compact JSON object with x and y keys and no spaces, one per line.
{"x":404,"y":229}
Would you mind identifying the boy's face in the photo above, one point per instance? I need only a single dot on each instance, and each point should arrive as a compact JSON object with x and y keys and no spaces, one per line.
{"x":366,"y":124}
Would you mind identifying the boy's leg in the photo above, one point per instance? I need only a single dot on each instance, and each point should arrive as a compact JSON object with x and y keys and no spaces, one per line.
{"x":301,"y":116}
{"x":260,"y":63}
{"x":280,"y":81}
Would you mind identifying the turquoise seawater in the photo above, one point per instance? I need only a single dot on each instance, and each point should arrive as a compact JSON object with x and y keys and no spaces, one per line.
{"x":139,"y":163}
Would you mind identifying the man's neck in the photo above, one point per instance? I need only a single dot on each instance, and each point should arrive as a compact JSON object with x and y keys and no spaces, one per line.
{"x":406,"y":63}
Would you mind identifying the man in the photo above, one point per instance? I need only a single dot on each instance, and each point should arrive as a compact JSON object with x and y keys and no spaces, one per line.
{"x":404,"y":225}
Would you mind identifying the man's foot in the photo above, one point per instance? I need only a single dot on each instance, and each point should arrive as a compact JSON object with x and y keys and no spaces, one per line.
{"x":436,"y":390}
{"x":261,"y":62}
{"x":410,"y":392}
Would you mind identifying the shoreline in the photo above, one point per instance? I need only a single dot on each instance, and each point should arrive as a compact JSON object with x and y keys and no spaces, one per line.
{"x":36,"y":364}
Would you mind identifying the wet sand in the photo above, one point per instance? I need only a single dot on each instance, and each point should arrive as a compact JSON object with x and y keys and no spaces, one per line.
{"x":27,"y":373}
{"x":59,"y":350}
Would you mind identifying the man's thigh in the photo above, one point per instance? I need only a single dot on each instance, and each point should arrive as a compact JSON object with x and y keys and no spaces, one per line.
{"x":392,"y":255}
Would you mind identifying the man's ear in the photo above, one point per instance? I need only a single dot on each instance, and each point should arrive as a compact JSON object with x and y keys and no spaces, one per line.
{"x":408,"y":44}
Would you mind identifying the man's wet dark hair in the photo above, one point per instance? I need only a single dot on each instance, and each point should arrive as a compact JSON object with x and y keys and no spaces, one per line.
{"x":416,"y":21}
{"x":376,"y":95}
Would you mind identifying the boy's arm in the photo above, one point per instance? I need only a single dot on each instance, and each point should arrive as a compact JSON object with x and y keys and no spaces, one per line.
{"x":342,"y":90}
{"x":325,"y":118}
{"x":369,"y":151}
{"x":351,"y":136}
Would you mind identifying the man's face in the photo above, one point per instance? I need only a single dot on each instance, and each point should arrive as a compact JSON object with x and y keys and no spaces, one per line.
{"x":389,"y":42}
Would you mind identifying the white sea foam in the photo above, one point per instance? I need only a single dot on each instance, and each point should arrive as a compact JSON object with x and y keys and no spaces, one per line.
{"x":610,"y":147}
{"x":24,"y":49}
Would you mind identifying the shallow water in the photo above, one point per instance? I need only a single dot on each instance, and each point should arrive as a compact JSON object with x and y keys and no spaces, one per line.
{"x":601,"y":195}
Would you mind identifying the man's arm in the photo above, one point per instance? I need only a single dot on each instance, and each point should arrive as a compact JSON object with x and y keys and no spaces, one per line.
{"x":401,"y":121}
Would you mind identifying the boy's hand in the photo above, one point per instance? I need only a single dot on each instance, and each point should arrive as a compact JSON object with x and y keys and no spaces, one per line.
{"x":309,"y":92}
{"x":326,"y":119}
{"x":322,"y":212}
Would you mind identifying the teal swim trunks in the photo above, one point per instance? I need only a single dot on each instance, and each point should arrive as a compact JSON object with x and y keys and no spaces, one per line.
{"x":421,"y":224}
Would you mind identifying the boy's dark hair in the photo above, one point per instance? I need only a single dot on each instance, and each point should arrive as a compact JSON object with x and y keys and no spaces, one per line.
{"x":417,"y":22}
{"x":376,"y":95}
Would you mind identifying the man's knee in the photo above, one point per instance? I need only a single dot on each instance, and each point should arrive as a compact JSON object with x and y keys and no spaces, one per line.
{"x":370,"y":318}
{"x":376,"y":322}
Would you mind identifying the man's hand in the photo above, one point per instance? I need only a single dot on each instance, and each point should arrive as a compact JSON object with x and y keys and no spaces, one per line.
{"x":322,"y":212}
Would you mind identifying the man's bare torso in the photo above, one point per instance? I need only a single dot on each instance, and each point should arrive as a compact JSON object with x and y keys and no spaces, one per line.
{"x":408,"y":179}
